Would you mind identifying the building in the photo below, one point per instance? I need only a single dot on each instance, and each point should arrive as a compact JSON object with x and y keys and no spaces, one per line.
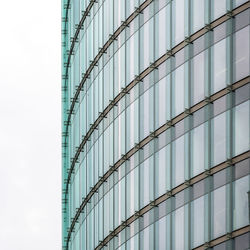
{"x":155,"y":102}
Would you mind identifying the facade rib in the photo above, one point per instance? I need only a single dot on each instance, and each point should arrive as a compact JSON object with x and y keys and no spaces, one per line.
{"x":156,"y":110}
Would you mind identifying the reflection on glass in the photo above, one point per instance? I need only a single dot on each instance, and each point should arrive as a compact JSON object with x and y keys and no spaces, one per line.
{"x":178,"y":14}
{"x":132,"y":124}
{"x":145,"y":177}
{"x":239,"y":2}
{"x":162,"y":32}
{"x":179,"y":229}
{"x":242,"y":242}
{"x":179,"y":160}
{"x":241,"y":61}
{"x":145,"y":118}
{"x":198,"y":222}
{"x":162,"y":101}
{"x":106,"y":212}
{"x":198,"y":14}
{"x":242,"y":128}
{"x":178,"y":87}
{"x":219,"y":68}
{"x":241,"y":203}
{"x":219,"y":138}
{"x":133,"y":54}
{"x":219,"y":8}
{"x":198,"y":77}
{"x":219,"y":212}
{"x":162,"y":233}
{"x":162,"y":171}
{"x":198,"y":150}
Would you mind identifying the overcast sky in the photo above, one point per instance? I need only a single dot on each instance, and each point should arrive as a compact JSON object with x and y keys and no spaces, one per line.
{"x":30,"y":171}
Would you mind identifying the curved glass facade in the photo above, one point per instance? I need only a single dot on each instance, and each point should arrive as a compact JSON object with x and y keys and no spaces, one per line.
{"x":156,"y":113}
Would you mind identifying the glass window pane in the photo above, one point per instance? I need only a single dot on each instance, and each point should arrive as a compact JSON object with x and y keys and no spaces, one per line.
{"x":241,"y":61}
{"x":220,"y":105}
{"x":179,"y":229}
{"x":198,"y":14}
{"x":242,"y":168}
{"x":162,"y":233}
{"x":222,"y":246}
{"x":198,"y":78}
{"x":145,"y":117}
{"x":162,"y":101}
{"x":164,"y":30}
{"x":219,"y":68}
{"x":242,"y":128}
{"x":179,"y":199}
{"x":241,"y":205}
{"x":178,"y":87}
{"x":198,"y":221}
{"x":132,"y":124}
{"x":132,"y":61}
{"x":145,"y":183}
{"x":219,"y":8}
{"x":179,"y":161}
{"x":239,"y":2}
{"x":242,"y":94}
{"x":162,"y":171}
{"x":242,"y":242}
{"x":178,"y":20}
{"x":198,"y":189}
{"x":219,"y":139}
{"x":220,"y":179}
{"x":219,"y":212}
{"x":198,"y":150}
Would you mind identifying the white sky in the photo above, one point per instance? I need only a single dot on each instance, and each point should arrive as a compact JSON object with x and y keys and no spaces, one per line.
{"x":30,"y":129}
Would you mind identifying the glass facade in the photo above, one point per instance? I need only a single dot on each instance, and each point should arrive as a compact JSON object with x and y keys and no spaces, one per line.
{"x":155,"y":125}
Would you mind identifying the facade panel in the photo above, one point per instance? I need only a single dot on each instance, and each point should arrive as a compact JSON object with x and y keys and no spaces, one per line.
{"x":156,"y":111}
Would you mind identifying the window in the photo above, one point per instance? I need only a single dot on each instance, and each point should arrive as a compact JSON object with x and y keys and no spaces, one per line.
{"x":241,"y":128}
{"x":132,"y":121}
{"x":162,"y":233}
{"x":219,"y":68}
{"x":179,"y":228}
{"x":178,"y":20}
{"x":146,"y":113}
{"x":162,"y":170}
{"x":163,"y":30}
{"x":241,"y":61}
{"x":242,"y":242}
{"x":162,"y":90}
{"x":239,"y":2}
{"x":198,"y":78}
{"x":178,"y":88}
{"x":219,"y":8}
{"x":198,"y":221}
{"x":198,"y":14}
{"x":198,"y":153}
{"x":241,"y":203}
{"x":219,"y":212}
{"x":219,"y":139}
{"x":146,"y":177}
{"x":179,"y":161}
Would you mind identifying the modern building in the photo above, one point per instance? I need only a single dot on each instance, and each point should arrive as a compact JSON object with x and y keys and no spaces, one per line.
{"x":156,"y":111}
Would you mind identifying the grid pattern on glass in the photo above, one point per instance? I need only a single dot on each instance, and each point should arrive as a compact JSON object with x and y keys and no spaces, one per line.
{"x":165,"y":93}
{"x":113,"y":48}
{"x":146,"y":152}
{"x":121,"y":111}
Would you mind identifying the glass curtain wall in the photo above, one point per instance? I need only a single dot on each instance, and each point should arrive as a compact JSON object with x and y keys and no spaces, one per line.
{"x":155,"y":125}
